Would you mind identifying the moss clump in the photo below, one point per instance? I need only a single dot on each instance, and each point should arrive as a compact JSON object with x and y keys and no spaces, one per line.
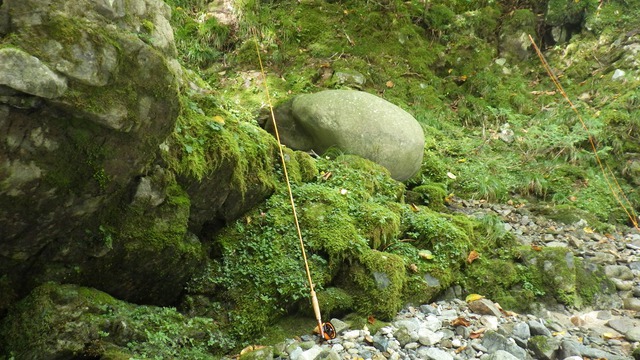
{"x":440,"y":234}
{"x":307,"y":166}
{"x":592,"y":282}
{"x":376,"y":280}
{"x":66,"y":321}
{"x":333,"y":301}
{"x":432,"y":195}
{"x":148,"y":253}
{"x":207,"y":139}
{"x":510,"y":284}
{"x":524,"y":275}
{"x":379,"y":223}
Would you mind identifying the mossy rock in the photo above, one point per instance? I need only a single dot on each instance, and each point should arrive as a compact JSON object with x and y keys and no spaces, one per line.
{"x":334,"y":302}
{"x":432,"y":194}
{"x":376,"y":282}
{"x":503,"y":281}
{"x":440,"y":233}
{"x":67,"y":321}
{"x":565,"y":214}
{"x":147,"y":255}
{"x":379,"y":223}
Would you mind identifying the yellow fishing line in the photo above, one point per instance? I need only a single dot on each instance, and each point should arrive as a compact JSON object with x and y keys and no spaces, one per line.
{"x":314,"y":298}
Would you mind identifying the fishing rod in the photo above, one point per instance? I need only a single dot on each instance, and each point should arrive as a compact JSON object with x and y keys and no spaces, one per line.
{"x":326,"y":329}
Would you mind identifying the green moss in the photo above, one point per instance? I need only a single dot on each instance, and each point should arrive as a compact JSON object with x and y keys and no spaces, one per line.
{"x":208,"y":138}
{"x":307,"y":165}
{"x":555,"y":270}
{"x":503,"y":281}
{"x":439,"y":233}
{"x":432,"y":195}
{"x":92,"y":323}
{"x":376,"y":281}
{"x":540,"y":343}
{"x":334,"y":302}
{"x":358,"y":321}
{"x":591,"y":282}
{"x":380,"y":224}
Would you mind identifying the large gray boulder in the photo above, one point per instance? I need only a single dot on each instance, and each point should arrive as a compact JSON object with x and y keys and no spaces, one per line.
{"x":354,"y":122}
{"x":88,"y":91}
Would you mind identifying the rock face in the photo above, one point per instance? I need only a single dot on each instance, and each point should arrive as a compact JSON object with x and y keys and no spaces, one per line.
{"x":88,"y":90}
{"x":354,"y":122}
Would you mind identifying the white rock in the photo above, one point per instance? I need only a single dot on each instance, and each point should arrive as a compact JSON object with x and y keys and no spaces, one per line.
{"x":351,"y":334}
{"x":489,"y":321}
{"x":618,"y":74}
{"x":434,"y":354}
{"x":348,"y":345}
{"x":311,"y":353}
{"x":428,"y":337}
{"x":432,"y":323}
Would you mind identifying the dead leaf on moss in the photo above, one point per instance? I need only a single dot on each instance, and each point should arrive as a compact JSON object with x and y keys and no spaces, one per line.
{"x":473,"y":255}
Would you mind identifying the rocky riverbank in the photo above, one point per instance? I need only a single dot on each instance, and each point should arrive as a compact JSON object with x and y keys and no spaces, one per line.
{"x":459,"y":326}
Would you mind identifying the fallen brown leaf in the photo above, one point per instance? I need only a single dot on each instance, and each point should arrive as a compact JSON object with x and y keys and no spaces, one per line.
{"x":473,"y":255}
{"x":460,"y":322}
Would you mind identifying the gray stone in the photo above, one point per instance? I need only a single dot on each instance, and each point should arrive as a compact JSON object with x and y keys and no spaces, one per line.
{"x":428,"y":309}
{"x":631,"y":304}
{"x":521,"y":330}
{"x":618,"y":272}
{"x":494,"y":342}
{"x":544,"y":347}
{"x":502,"y":355}
{"x":635,"y":265}
{"x":432,"y":353}
{"x":339,"y":325}
{"x":328,"y":354}
{"x":26,"y":73}
{"x":537,"y":328}
{"x":428,"y":337}
{"x":568,"y":348}
{"x":356,"y":123}
{"x":380,"y":342}
{"x":310,"y":354}
{"x":621,"y":325}
{"x":349,"y":78}
{"x":618,"y":74}
{"x":603,"y":258}
{"x":411,"y":324}
{"x":432,"y":323}
{"x":405,"y":337}
{"x":633,"y":334}
{"x":463,"y":331}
